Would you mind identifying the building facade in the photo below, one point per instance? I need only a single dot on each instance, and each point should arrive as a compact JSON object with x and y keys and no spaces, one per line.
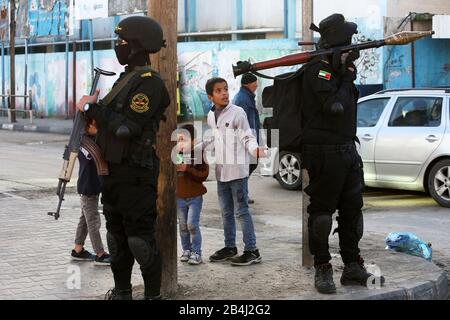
{"x":213,"y":35}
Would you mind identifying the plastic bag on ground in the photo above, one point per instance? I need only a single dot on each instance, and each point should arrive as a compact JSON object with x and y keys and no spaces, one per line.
{"x":409,"y":243}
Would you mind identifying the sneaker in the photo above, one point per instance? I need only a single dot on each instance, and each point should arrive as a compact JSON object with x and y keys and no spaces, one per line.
{"x":323,"y":279}
{"x":355,"y":273}
{"x":84,"y":255}
{"x":195,"y":258}
{"x":117,"y":294}
{"x":185,"y":256}
{"x":223,"y":254}
{"x":103,"y":260}
{"x":248,"y":258}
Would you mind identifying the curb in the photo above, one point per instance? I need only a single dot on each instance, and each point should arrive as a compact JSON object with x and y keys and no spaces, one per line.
{"x":35,"y":128}
{"x":428,"y":290}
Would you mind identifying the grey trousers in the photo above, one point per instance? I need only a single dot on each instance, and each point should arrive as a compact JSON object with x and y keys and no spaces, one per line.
{"x":89,"y":223}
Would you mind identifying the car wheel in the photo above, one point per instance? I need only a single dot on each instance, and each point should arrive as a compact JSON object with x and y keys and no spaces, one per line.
{"x":439,"y":182}
{"x":289,"y":172}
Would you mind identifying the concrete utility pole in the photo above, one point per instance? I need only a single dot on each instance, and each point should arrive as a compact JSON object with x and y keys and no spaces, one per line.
{"x":12,"y":63}
{"x":307,"y":35}
{"x":165,"y":12}
{"x":307,"y":19}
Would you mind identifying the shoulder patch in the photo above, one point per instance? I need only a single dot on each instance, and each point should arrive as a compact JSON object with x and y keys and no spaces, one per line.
{"x":324,"y":75}
{"x":140,"y":103}
{"x":145,"y":75}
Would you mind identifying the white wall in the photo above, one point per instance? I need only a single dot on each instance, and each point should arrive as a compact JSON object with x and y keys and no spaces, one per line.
{"x":371,"y":10}
{"x":262,"y":13}
{"x":214,"y":14}
{"x":349,"y":8}
{"x":401,"y":8}
{"x":180,"y":21}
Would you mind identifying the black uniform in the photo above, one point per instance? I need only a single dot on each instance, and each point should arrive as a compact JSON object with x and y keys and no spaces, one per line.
{"x":127,"y":130}
{"x":330,"y":157}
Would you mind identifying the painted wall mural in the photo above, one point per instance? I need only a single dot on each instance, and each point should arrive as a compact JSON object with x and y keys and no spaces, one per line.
{"x":369,"y":64}
{"x":198,"y":62}
{"x":431,"y":64}
{"x":46,"y":79}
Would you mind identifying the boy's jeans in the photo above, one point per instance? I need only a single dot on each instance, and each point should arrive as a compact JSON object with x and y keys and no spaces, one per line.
{"x":189,"y":219}
{"x":233,"y":195}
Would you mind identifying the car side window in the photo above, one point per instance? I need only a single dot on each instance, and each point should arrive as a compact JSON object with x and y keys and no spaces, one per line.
{"x":369,"y":111}
{"x":416,"y":112}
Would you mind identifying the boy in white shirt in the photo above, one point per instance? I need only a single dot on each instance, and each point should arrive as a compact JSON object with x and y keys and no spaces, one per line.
{"x":233,"y":140}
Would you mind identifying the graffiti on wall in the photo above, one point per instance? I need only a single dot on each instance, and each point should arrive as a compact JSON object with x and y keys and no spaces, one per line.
{"x":369,"y":64}
{"x":195,"y":68}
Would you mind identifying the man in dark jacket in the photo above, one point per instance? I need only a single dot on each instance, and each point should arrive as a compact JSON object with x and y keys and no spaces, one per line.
{"x":329,"y":155}
{"x":245,"y":99}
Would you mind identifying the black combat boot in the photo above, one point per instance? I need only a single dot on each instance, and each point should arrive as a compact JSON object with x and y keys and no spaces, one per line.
{"x":356,"y":274}
{"x":118,"y":294}
{"x":323,"y":280}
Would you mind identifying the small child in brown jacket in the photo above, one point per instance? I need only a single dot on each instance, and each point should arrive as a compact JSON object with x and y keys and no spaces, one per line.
{"x":190,"y":191}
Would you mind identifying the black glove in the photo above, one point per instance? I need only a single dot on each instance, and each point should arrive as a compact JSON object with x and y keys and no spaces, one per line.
{"x":343,"y":60}
{"x":349,"y":73}
{"x":337,"y":61}
{"x":243,"y":66}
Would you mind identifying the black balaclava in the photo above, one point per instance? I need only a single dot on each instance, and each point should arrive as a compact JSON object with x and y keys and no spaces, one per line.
{"x":131,"y":54}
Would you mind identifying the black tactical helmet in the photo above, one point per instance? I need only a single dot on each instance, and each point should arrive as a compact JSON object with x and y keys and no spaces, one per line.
{"x":144,"y":30}
{"x":335,"y":31}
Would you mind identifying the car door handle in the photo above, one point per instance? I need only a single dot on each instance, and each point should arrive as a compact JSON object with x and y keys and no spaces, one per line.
{"x":431,"y":138}
{"x":367,"y":137}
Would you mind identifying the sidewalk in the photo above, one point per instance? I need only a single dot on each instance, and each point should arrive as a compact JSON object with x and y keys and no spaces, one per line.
{"x":46,"y":125}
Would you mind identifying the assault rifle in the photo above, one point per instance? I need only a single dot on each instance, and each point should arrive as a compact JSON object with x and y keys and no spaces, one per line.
{"x":77,"y":139}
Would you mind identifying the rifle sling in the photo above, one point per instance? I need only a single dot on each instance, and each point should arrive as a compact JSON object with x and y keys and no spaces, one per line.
{"x":117,"y":89}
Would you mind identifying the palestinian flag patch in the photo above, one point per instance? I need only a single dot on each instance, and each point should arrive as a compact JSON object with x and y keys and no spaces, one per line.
{"x":324,"y":75}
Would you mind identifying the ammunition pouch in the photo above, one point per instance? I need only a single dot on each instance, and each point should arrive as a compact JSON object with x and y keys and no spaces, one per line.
{"x":142,"y":152}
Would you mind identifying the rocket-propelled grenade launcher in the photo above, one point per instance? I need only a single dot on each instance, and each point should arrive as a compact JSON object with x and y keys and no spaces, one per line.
{"x":400,"y":38}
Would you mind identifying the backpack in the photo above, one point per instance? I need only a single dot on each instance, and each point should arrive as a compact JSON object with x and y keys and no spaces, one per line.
{"x":284,"y":96}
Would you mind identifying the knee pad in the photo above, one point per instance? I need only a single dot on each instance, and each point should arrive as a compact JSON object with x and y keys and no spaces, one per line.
{"x":143,"y":251}
{"x":352,"y":225}
{"x":320,"y":228}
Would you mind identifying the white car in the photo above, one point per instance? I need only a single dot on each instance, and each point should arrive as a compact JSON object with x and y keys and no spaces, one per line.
{"x":404,"y":143}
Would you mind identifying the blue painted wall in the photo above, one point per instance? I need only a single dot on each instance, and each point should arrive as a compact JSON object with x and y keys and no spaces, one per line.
{"x":432,"y":64}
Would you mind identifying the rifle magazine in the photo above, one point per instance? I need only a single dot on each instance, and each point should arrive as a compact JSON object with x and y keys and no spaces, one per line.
{"x":94,"y":150}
